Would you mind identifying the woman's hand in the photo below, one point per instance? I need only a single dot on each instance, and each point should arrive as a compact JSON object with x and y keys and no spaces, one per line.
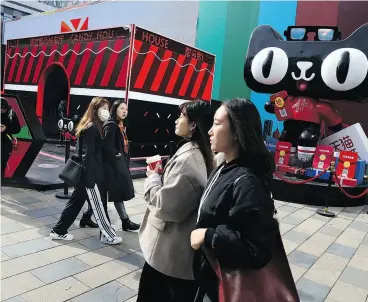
{"x":197,"y":238}
{"x":150,"y":171}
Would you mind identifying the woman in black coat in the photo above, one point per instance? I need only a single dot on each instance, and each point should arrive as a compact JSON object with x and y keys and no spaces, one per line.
{"x":118,"y":181}
{"x":236,"y":221}
{"x":90,"y":186}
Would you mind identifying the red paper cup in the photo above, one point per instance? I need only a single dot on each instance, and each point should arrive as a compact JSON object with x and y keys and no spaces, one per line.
{"x":155,"y":161}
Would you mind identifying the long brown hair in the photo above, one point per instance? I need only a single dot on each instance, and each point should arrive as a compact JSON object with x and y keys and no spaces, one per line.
{"x":90,"y":116}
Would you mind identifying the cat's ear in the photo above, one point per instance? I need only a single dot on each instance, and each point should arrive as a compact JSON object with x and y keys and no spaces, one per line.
{"x":360,"y":37}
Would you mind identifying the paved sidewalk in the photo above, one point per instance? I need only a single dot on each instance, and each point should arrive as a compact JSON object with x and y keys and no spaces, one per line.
{"x":328,"y":257}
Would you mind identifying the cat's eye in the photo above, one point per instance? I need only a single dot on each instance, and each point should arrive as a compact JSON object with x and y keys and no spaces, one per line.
{"x":344,"y":69}
{"x":270,"y":65}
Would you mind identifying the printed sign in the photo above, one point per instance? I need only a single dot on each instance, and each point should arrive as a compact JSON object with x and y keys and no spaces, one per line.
{"x":282,"y":106}
{"x":282,"y":154}
{"x":347,"y":164}
{"x":351,"y":138}
{"x":323,"y":157}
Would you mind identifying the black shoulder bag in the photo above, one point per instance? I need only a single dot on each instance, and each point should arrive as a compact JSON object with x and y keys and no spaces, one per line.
{"x":73,"y":169}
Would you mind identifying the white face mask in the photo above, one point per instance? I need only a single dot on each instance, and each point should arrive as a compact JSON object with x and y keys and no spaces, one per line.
{"x":103,"y":114}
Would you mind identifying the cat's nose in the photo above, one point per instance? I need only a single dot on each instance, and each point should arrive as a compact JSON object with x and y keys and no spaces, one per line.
{"x":304,"y":66}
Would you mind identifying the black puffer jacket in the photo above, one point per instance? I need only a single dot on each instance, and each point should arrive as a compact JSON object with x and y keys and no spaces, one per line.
{"x":91,"y":155}
{"x":239,"y":216}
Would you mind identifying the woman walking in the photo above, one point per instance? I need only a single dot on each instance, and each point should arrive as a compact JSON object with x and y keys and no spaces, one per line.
{"x":173,"y":201}
{"x":91,"y":188}
{"x":236,"y":224}
{"x":118,"y":181}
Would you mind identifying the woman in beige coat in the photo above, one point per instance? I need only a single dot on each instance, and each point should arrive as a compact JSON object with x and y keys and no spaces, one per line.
{"x":173,"y":201}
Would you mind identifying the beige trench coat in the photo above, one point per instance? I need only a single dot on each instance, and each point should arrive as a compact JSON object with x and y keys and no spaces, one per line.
{"x":171,"y":214}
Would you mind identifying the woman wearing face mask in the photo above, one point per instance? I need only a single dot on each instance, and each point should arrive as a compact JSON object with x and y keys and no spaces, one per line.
{"x":236,"y":221}
{"x":118,"y":180}
{"x":89,"y":133}
{"x":173,"y":201}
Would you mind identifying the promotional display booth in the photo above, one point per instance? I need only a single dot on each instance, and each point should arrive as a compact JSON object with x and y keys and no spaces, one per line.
{"x":153,"y":73}
{"x":319,"y":159}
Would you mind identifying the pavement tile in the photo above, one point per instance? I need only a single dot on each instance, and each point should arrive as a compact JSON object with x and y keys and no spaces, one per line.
{"x":359,"y":262}
{"x":362,"y":218}
{"x":28,"y":247}
{"x":28,"y":200}
{"x":38,"y":222}
{"x":297,"y":271}
{"x":365,"y":240}
{"x":333,"y":262}
{"x":11,"y":228}
{"x":133,"y":261}
{"x":59,"y":291}
{"x":92,"y":243}
{"x":281,"y":214}
{"x":292,"y":219}
{"x":101,"y":256}
{"x":16,"y":299}
{"x":322,"y":275}
{"x":60,"y":270}
{"x":351,"y":237}
{"x":288,"y":209}
{"x":18,"y":285}
{"x":341,"y":250}
{"x":134,"y":299}
{"x":310,"y":226}
{"x":362,"y":250}
{"x":347,"y":214}
{"x":357,"y":209}
{"x":284,"y":227}
{"x":103,"y":273}
{"x":355,"y":277}
{"x":297,"y":237}
{"x":289,"y":246}
{"x":4,"y":257}
{"x":330,"y":231}
{"x":131,"y":280}
{"x":112,"y":291}
{"x":302,"y":259}
{"x":63,"y":252}
{"x":340,"y":223}
{"x":343,"y":292}
{"x":316,"y":245}
{"x":310,"y":291}
{"x":22,"y":264}
{"x":8,"y":240}
{"x":43,"y":212}
{"x":359,"y":226}
{"x":30,"y":234}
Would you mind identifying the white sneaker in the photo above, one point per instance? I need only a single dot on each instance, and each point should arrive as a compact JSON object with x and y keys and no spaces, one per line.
{"x":66,"y":237}
{"x":116,"y":240}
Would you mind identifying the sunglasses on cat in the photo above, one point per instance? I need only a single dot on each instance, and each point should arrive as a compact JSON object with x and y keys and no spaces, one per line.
{"x":318,"y":33}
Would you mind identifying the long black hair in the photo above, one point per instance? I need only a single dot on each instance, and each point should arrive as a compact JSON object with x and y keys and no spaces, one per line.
{"x":246,"y":127}
{"x":113,"y":111}
{"x":201,"y":114}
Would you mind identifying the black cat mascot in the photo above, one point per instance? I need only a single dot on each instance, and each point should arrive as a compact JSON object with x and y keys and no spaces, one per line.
{"x":302,"y":75}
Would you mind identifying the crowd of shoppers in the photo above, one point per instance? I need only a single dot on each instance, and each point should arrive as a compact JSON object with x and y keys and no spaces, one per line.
{"x":210,"y":210}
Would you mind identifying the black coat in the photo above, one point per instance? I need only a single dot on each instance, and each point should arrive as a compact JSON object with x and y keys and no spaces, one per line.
{"x":118,"y":180}
{"x":239,"y":218}
{"x":91,"y":152}
{"x":10,"y":120}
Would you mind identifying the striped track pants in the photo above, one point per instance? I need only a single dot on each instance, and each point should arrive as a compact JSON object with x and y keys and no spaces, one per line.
{"x":94,"y":197}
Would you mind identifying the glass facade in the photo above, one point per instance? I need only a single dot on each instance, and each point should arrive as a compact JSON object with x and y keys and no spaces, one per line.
{"x":64,"y":3}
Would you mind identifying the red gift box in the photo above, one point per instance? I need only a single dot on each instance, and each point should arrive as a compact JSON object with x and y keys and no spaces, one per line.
{"x":347,"y":164}
{"x":323,"y":157}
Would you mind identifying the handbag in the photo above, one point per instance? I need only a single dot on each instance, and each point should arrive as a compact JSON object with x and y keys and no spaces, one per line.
{"x":73,"y":169}
{"x":274,"y":282}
